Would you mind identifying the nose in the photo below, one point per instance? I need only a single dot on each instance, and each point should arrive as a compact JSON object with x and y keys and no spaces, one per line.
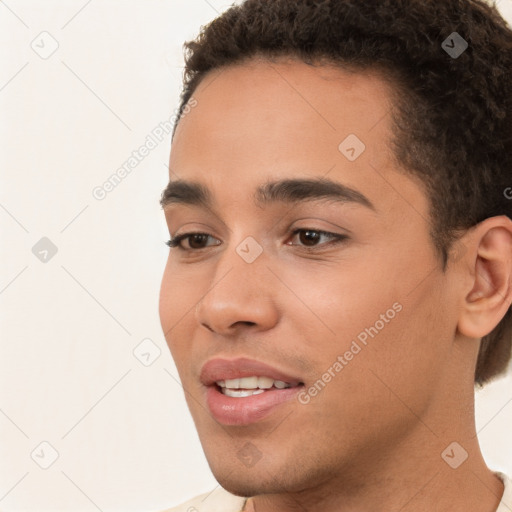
{"x":241,"y":295}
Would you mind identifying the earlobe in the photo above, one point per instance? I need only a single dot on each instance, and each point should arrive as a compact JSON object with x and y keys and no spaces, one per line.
{"x":491,"y":293}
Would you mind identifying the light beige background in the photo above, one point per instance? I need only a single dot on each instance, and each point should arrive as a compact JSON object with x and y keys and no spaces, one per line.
{"x":70,"y":324}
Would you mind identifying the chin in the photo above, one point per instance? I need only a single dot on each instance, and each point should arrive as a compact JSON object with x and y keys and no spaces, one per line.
{"x":263,"y":478}
{"x":246,"y":485}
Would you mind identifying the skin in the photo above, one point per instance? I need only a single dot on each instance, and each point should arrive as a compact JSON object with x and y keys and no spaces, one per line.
{"x":372,"y":439}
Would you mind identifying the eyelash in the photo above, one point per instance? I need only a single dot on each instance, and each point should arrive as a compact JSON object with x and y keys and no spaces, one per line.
{"x":337,"y":238}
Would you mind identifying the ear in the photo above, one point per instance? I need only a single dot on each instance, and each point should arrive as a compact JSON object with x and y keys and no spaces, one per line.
{"x":490,"y":272}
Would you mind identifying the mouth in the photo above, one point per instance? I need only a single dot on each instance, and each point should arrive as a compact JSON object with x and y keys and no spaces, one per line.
{"x":244,"y":391}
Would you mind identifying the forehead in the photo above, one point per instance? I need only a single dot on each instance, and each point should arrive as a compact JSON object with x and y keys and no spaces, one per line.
{"x":287,"y":99}
{"x":264,"y":119}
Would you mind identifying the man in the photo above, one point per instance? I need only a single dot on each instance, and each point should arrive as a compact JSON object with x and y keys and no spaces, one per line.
{"x":340,"y":264}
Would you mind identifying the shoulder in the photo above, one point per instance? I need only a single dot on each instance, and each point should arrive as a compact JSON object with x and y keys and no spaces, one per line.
{"x":506,"y":500}
{"x":218,"y":501}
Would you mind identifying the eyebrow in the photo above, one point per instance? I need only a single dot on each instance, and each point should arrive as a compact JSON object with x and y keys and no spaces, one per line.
{"x":287,"y":191}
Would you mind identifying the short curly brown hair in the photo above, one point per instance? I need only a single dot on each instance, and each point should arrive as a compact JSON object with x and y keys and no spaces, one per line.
{"x":453,"y":122}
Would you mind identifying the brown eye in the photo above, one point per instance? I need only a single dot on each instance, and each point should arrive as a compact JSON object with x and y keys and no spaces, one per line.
{"x":196,"y":241}
{"x":311,"y":237}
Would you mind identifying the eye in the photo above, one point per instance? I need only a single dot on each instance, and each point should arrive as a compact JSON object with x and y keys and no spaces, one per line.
{"x":308,"y":238}
{"x":195,"y":241}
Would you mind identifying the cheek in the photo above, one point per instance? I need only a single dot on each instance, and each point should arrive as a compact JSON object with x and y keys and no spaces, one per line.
{"x":165,"y":309}
{"x":176,"y":303}
{"x":348,"y":303}
{"x":378,"y":393}
{"x":391,"y":332}
{"x":399,"y":368}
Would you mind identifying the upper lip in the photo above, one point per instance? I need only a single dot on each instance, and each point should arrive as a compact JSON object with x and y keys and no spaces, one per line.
{"x":219,"y":369}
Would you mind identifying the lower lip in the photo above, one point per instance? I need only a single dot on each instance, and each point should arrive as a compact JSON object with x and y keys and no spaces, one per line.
{"x":230,"y":410}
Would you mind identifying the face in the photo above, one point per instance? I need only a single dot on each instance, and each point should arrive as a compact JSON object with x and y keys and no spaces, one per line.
{"x":323,"y":298}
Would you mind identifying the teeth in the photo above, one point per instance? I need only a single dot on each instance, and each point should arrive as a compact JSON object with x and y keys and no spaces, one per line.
{"x":251,"y":383}
{"x":265,"y":382}
{"x":248,"y":383}
{"x":232,"y":383}
{"x":240,"y":393}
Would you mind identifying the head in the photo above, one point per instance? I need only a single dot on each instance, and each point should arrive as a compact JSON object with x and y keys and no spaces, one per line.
{"x":352,"y":202}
